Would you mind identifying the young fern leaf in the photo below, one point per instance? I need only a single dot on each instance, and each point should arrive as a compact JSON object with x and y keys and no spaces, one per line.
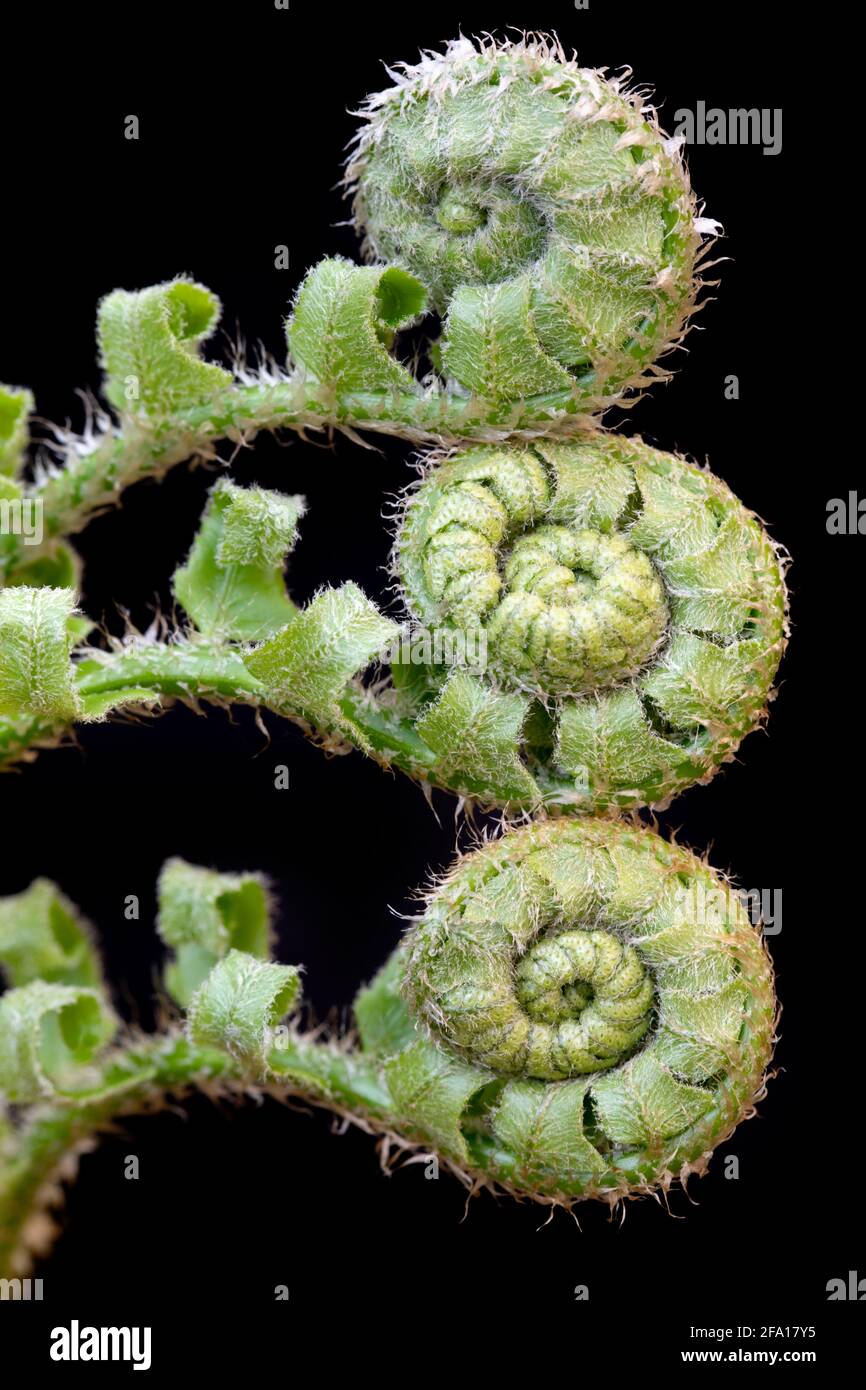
{"x":47,"y":1031}
{"x":343,"y":326}
{"x":476,"y":735}
{"x":632,"y":611}
{"x":583,"y":1011}
{"x":534,"y":206}
{"x":39,"y":689}
{"x":43,"y":937}
{"x":202,"y":916}
{"x":36,"y":637}
{"x":604,"y":999}
{"x":239,"y":1004}
{"x":55,"y":564}
{"x":232,"y":583}
{"x":149,"y":343}
{"x":307,"y":666}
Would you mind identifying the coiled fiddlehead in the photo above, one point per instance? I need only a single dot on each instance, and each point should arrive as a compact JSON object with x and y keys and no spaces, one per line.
{"x":631,"y":609}
{"x":606,"y":1004}
{"x":550,"y":220}
{"x":582,"y":1011}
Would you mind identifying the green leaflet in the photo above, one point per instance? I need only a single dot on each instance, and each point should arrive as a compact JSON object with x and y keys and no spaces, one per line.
{"x":43,"y":937}
{"x":542,"y":1125}
{"x":430,"y":1092}
{"x":47,"y":1031}
{"x":38,"y":687}
{"x":645,"y":1102}
{"x":343,"y":325}
{"x":149,"y":343}
{"x":202,"y":915}
{"x":695,"y":1036}
{"x":612,"y":736}
{"x":491,"y":346}
{"x":15,"y":408}
{"x":385,"y":1026}
{"x":475,"y":734}
{"x":697,"y":682}
{"x":239,"y":1004}
{"x":593,"y":482}
{"x":36,"y":673}
{"x":306,"y":667}
{"x":232,"y":583}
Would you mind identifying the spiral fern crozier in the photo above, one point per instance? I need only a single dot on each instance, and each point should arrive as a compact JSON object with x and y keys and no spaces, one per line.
{"x":629,"y":608}
{"x":545,"y":212}
{"x":599,"y":1011}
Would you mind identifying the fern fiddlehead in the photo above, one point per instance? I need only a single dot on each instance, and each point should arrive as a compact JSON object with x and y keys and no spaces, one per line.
{"x":614,"y":1026}
{"x":582,"y":1011}
{"x":633,"y":613}
{"x":535,"y":206}
{"x":542,"y":207}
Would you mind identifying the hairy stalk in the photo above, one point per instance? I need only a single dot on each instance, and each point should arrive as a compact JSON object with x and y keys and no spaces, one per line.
{"x":41,"y":1151}
{"x":92,"y":476}
{"x":581,"y":1012}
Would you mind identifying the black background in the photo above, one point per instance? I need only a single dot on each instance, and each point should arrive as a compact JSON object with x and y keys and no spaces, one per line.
{"x":243,"y":118}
